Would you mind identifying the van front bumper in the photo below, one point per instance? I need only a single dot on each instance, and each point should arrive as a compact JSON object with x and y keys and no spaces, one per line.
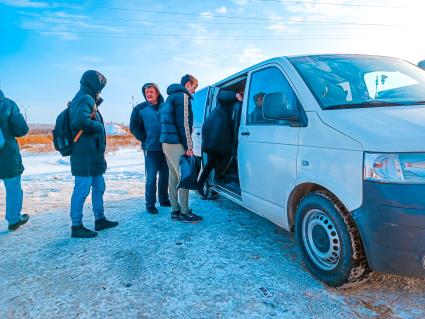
{"x":391,"y":222}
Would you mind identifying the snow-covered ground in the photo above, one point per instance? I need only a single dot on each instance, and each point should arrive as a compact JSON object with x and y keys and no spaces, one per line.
{"x":233,"y":265}
{"x":114,"y":130}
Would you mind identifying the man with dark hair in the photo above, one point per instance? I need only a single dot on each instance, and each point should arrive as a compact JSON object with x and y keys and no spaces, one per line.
{"x":256,"y":115}
{"x":145,"y":125}
{"x":12,"y":125}
{"x":176,"y":139}
{"x":88,"y":162}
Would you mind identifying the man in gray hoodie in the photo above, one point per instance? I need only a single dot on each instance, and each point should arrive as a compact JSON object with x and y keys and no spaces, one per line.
{"x":146,"y":127}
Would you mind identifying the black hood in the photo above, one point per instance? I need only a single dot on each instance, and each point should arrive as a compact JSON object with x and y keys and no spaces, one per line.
{"x":93,"y":82}
{"x":175,"y":88}
{"x":2,"y":97}
{"x":160,"y":97}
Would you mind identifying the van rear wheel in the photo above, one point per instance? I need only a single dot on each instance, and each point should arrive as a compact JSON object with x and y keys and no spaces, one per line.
{"x":329,"y":241}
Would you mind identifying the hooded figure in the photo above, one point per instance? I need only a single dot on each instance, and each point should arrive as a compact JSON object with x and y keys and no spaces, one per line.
{"x":218,"y":135}
{"x":145,"y":125}
{"x":218,"y":127}
{"x":88,"y":155}
{"x":12,"y":125}
{"x":88,"y":162}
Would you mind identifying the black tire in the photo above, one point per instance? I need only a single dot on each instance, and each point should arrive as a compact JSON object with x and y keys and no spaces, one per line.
{"x":329,"y":241}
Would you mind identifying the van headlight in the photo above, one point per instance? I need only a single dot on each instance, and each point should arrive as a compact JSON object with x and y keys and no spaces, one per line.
{"x":394,"y":168}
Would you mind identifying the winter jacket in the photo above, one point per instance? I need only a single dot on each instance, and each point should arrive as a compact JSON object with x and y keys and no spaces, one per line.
{"x":177,"y":117}
{"x":13,"y":125}
{"x":218,"y":127}
{"x":88,"y":155}
{"x":145,"y":123}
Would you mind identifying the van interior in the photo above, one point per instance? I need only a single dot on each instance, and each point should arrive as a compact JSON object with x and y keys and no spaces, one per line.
{"x":226,"y":175}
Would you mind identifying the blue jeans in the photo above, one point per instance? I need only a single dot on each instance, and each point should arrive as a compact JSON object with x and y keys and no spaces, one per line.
{"x":81,"y":191}
{"x":14,"y":198}
{"x":156,"y":164}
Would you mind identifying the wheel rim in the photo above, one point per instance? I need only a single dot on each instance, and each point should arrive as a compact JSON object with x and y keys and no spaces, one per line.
{"x":321,"y":239}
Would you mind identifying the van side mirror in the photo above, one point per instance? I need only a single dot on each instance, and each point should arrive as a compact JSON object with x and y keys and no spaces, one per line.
{"x":277,"y":107}
{"x":421,"y":64}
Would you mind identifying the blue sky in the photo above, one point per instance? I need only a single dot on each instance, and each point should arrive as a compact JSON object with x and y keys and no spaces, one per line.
{"x":46,"y":46}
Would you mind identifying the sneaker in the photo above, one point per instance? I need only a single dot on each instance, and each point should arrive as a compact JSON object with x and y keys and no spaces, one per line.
{"x":22,"y":221}
{"x":165,"y":204}
{"x":190,"y":218}
{"x":152,"y":210}
{"x":82,"y":232}
{"x":103,"y":223}
{"x":175,"y":215}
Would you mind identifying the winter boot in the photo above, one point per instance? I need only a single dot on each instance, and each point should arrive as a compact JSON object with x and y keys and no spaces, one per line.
{"x":82,"y":232}
{"x":103,"y":223}
{"x":22,"y":221}
{"x":152,"y":210}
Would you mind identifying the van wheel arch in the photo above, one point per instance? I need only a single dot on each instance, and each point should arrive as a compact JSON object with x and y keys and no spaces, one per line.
{"x":297,"y":195}
{"x":303,"y":190}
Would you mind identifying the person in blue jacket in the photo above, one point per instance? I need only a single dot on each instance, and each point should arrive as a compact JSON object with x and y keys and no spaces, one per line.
{"x":12,"y":125}
{"x":145,"y":125}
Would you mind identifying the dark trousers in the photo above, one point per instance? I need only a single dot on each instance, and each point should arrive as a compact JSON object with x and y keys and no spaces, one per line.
{"x":156,"y":164}
{"x":214,"y":160}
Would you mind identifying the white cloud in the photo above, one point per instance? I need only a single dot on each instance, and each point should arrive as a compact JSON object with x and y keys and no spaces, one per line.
{"x":206,"y":14}
{"x":26,"y":4}
{"x":251,"y":55}
{"x":221,"y":10}
{"x":240,"y":2}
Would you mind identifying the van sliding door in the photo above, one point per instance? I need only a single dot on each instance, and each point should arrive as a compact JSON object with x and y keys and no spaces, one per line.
{"x":268,"y":149}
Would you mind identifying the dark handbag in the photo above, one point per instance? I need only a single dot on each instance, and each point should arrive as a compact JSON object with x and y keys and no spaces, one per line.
{"x":189,"y":171}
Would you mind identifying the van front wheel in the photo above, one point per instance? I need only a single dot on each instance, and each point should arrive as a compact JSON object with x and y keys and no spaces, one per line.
{"x":329,"y":241}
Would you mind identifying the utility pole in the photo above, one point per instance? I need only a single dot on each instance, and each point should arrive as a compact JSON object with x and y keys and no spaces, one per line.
{"x":25,"y":109}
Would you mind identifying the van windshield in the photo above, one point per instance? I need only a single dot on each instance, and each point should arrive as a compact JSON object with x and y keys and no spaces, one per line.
{"x":361,"y":81}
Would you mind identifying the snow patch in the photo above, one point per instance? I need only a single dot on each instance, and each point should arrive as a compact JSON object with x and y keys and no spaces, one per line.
{"x":114,"y":130}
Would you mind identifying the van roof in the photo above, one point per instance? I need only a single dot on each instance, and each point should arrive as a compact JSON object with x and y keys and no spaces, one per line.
{"x":281,"y":58}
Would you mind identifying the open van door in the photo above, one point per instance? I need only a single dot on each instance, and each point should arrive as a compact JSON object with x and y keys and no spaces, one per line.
{"x":268,"y":148}
{"x":199,"y":107}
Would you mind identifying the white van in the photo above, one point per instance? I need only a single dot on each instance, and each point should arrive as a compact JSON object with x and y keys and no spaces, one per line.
{"x":332,"y":147}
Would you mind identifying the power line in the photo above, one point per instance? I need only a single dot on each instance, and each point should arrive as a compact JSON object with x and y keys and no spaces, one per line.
{"x":334,"y":4}
{"x":262,"y":27}
{"x":162,"y":12}
{"x":177,"y":36}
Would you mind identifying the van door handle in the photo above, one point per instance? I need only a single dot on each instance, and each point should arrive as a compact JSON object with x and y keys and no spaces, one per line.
{"x":245,"y":133}
{"x":198,"y":133}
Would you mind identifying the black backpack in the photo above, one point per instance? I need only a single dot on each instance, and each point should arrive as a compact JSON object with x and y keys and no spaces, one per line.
{"x":62,"y":134}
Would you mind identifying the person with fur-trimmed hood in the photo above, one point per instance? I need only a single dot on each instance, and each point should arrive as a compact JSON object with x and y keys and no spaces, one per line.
{"x":145,"y":125}
{"x":176,"y":139}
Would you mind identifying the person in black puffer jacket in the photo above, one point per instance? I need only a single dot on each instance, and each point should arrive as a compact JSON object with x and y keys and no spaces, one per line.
{"x":12,"y":125}
{"x":88,"y":162}
{"x":218,"y":133}
{"x":176,"y":139}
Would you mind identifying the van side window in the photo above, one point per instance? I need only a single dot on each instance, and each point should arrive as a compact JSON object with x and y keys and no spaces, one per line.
{"x":198,"y":106}
{"x":270,"y":80}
